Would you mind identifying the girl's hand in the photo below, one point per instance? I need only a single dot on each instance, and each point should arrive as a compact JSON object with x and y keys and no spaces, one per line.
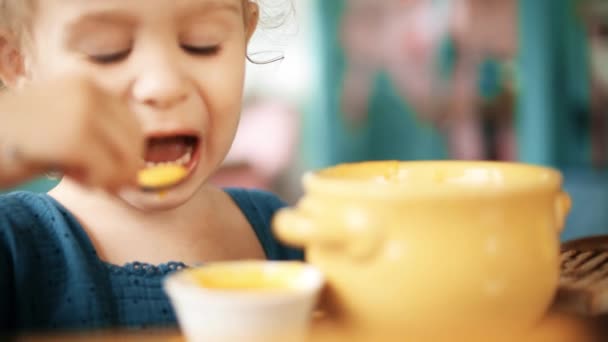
{"x":71,"y":126}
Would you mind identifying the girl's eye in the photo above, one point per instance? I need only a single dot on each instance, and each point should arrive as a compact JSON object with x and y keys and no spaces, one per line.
{"x":110,"y":58}
{"x":201,"y":50}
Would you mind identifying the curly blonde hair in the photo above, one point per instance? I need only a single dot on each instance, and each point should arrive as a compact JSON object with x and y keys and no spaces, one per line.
{"x":14,"y":15}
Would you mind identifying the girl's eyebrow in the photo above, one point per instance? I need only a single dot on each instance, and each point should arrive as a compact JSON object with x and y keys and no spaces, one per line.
{"x":122,"y":18}
{"x":115,"y":19}
{"x":103,"y":17}
{"x":73,"y":33}
{"x":199,"y":8}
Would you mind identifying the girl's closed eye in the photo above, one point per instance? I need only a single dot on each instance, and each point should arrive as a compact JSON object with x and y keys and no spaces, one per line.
{"x":204,"y":37}
{"x":201,"y":50}
{"x":109,"y":57}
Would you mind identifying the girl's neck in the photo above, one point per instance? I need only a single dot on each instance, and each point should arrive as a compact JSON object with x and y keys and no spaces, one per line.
{"x":121,"y":233}
{"x":210,"y":226}
{"x":87,"y":202}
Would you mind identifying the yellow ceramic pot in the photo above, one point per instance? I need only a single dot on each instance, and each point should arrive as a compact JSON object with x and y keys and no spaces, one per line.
{"x":432,"y":246}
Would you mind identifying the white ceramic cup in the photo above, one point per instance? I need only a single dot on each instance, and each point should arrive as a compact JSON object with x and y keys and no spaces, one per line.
{"x":245,"y":300}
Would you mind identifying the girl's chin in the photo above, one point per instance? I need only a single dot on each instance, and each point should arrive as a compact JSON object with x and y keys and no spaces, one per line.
{"x":157,"y":200}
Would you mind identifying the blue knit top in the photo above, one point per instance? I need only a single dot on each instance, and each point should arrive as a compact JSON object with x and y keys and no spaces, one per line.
{"x":52,"y":279}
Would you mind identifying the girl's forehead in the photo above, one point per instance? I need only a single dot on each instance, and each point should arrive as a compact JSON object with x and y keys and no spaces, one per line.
{"x":72,"y":12}
{"x":145,"y":6}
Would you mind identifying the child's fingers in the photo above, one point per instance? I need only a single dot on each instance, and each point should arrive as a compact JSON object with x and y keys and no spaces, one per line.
{"x":91,"y":136}
{"x":115,"y":152}
{"x":105,"y":170}
{"x":99,"y":167}
{"x":92,"y":161}
{"x":125,"y":143}
{"x":118,"y":131}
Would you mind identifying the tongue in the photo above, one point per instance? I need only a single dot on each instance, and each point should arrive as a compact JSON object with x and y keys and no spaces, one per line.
{"x":166,"y":150}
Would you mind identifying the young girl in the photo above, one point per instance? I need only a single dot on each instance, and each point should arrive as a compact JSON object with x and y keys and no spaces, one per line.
{"x":98,"y":91}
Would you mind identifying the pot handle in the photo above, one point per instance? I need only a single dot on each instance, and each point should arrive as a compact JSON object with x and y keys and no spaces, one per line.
{"x":298,"y":229}
{"x":563,"y":203}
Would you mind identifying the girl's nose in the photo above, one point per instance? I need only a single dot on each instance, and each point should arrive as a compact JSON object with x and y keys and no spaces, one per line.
{"x":161,"y":85}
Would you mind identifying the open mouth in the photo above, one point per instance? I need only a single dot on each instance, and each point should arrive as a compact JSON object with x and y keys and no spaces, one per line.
{"x":177,"y":150}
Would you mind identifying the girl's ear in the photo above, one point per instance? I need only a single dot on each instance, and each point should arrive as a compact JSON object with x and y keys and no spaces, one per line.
{"x":12,"y":68}
{"x":252,"y":16}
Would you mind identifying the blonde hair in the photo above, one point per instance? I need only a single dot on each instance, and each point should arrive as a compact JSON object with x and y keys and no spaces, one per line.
{"x":14,"y":15}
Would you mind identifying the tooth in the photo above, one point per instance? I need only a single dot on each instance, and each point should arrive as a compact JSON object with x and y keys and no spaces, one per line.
{"x":182,"y":160}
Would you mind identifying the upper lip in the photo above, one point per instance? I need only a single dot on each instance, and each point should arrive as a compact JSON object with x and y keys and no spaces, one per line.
{"x":172,"y":133}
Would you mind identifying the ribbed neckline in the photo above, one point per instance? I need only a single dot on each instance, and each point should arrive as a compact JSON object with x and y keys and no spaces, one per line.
{"x":144,"y":269}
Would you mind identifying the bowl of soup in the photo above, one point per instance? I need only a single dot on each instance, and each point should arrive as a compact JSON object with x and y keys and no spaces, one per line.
{"x":432,"y":247}
{"x":245,"y":300}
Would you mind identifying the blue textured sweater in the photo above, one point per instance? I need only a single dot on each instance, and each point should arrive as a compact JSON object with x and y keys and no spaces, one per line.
{"x":51,"y":277}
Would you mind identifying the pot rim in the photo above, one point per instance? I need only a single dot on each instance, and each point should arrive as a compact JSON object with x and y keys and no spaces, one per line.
{"x":452,"y":179}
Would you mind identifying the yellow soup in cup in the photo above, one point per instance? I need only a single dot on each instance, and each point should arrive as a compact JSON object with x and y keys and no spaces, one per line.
{"x":250,"y":277}
{"x":245,"y":300}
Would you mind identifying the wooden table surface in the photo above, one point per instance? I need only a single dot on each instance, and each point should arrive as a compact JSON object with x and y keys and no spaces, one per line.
{"x":556,"y":328}
{"x":170,"y":335}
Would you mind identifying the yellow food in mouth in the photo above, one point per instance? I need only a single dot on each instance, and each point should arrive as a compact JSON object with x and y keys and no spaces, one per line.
{"x":161,"y":176}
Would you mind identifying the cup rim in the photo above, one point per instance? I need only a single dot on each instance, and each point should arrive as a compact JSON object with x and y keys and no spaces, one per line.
{"x":322,"y":181}
{"x":181,"y":281}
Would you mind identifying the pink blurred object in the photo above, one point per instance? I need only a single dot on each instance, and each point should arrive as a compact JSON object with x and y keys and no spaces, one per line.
{"x":398,"y":36}
{"x":263,"y":147}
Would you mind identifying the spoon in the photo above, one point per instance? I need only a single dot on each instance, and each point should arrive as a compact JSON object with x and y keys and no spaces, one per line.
{"x":160,"y":177}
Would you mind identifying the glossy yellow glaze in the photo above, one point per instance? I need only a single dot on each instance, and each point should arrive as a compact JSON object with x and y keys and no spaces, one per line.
{"x":432,"y":245}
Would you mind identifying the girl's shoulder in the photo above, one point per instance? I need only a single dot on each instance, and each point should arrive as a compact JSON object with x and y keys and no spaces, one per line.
{"x":28,"y":211}
{"x":259,"y":207}
{"x":32,"y":224}
{"x":264,"y":202}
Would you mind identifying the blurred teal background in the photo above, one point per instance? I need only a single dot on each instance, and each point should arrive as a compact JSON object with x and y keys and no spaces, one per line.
{"x":552,"y":119}
{"x":38,"y":185}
